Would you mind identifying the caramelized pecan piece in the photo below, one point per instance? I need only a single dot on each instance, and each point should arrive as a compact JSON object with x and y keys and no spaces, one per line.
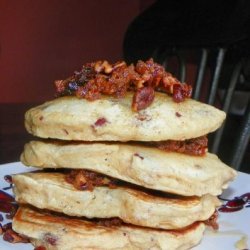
{"x":87,"y":180}
{"x":196,"y":146}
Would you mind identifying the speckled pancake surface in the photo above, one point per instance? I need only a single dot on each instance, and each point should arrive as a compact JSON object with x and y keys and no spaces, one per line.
{"x":111,"y":119}
{"x":145,"y":166}
{"x":61,"y":233}
{"x":134,"y":206}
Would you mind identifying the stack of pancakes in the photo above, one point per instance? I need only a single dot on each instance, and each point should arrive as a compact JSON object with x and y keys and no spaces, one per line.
{"x":111,"y":187}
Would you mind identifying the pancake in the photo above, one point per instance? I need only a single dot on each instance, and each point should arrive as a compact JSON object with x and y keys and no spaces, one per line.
{"x":63,"y":233}
{"x":112,"y":119}
{"x":144,"y":166}
{"x":51,"y":191}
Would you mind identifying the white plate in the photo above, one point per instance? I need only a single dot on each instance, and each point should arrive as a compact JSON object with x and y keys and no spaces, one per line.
{"x":234,"y":227}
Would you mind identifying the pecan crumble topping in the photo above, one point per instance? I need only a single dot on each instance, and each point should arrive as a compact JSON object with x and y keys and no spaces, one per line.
{"x":143,"y":78}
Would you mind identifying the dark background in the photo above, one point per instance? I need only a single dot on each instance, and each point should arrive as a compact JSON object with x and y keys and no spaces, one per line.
{"x":45,"y":40}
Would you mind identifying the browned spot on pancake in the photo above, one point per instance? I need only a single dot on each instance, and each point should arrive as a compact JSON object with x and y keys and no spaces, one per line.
{"x":65,"y":131}
{"x":185,"y":230}
{"x":136,"y":154}
{"x":197,"y":166}
{"x":143,"y":117}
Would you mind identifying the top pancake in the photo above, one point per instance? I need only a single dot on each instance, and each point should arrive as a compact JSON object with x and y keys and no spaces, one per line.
{"x":112,"y":119}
